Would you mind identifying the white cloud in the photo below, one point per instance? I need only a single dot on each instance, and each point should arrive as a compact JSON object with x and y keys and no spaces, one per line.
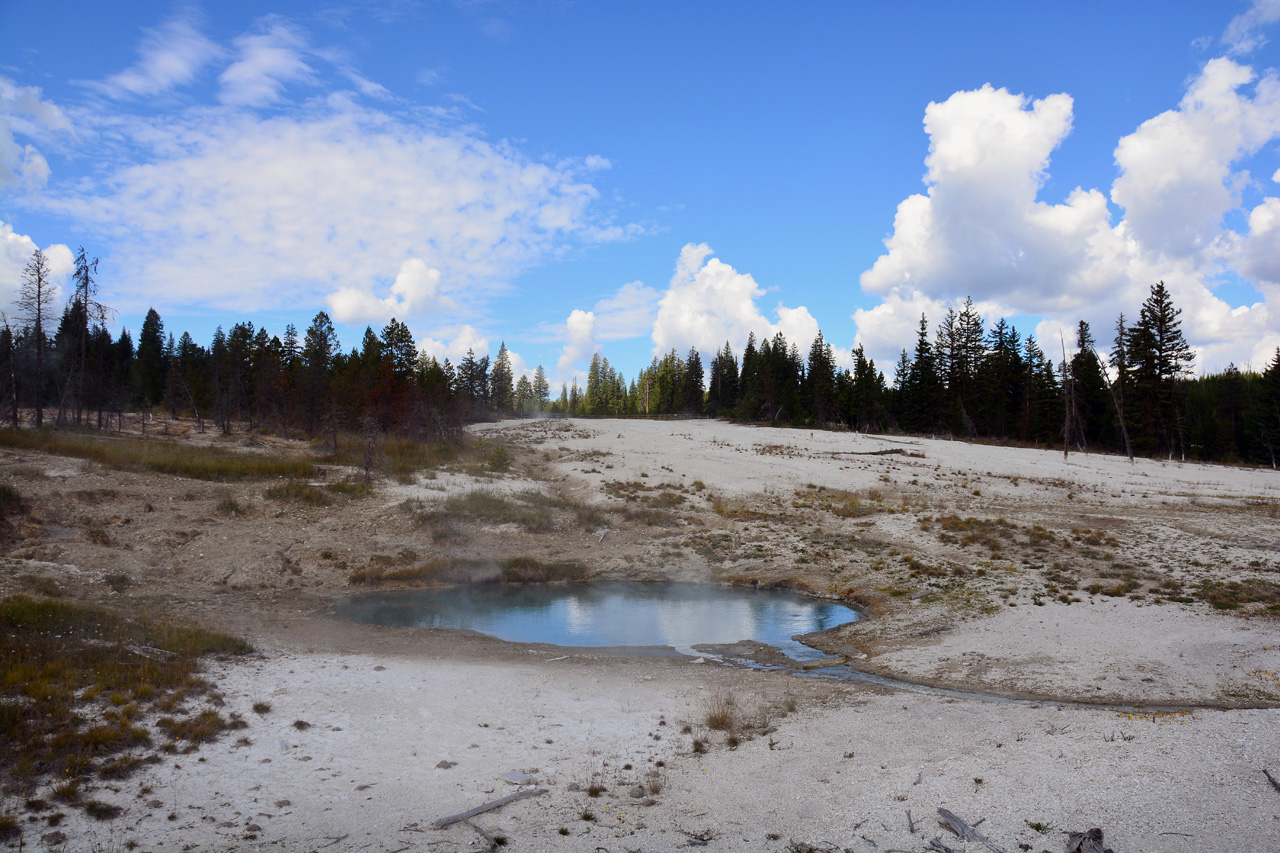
{"x":267,"y":63}
{"x":888,"y":328}
{"x":15,"y":253}
{"x":24,"y":112}
{"x":708,"y":303}
{"x":170,"y":55}
{"x":465,"y":338}
{"x":1176,"y":180}
{"x":231,"y":210}
{"x":580,"y":341}
{"x":415,"y":292}
{"x":980,"y":229}
{"x":627,"y":313}
{"x":1242,"y":34}
{"x":1261,"y":249}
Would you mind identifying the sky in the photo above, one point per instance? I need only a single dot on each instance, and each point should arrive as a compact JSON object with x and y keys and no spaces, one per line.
{"x":627,"y":178}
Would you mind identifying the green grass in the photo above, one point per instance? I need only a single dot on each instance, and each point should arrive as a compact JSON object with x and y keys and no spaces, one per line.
{"x":298,"y":491}
{"x":485,"y":505}
{"x":61,"y":663}
{"x":137,"y":454}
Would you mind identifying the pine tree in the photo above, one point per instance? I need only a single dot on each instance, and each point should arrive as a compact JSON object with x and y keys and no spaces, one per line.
{"x":34,"y":304}
{"x":820,"y":382}
{"x":1158,"y":357}
{"x":923,"y":393}
{"x":692,"y":392}
{"x":501,"y":390}
{"x":397,"y":344}
{"x":541,"y":389}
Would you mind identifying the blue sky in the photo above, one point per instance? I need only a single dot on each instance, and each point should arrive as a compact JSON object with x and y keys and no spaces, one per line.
{"x":572,"y":177}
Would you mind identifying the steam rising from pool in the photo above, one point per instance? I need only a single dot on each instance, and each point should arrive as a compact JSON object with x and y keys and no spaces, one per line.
{"x":609,"y":614}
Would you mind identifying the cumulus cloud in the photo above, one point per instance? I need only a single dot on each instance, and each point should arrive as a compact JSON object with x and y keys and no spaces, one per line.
{"x":464,"y":339}
{"x":708,"y":303}
{"x":981,"y":230}
{"x":415,"y":292}
{"x":170,"y":55}
{"x":1261,"y":250}
{"x":266,"y":63}
{"x":25,"y":113}
{"x":580,"y":340}
{"x":1176,"y":180}
{"x":15,"y":253}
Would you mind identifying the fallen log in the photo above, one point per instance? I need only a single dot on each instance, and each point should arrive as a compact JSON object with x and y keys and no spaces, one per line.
{"x":965,"y":832}
{"x":487,"y":807}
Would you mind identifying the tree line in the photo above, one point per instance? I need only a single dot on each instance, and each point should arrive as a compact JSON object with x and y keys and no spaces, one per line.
{"x":960,"y":378}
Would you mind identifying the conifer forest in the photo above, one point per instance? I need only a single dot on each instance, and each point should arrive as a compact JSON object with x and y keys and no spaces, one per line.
{"x":1132,"y":388}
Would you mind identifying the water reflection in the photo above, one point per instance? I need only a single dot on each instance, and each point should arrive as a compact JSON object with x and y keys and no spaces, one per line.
{"x":609,"y":614}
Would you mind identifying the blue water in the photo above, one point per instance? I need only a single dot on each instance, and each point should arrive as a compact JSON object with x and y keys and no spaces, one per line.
{"x":609,"y":614}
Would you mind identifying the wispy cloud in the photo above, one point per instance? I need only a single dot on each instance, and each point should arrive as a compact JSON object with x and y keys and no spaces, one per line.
{"x":266,"y":63}
{"x":25,"y":114}
{"x":170,"y":55}
{"x":1244,"y":34}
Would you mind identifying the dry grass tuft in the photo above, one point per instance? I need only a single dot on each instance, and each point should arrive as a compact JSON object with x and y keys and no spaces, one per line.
{"x":74,"y":680}
{"x":457,"y":570}
{"x":722,"y":714}
{"x":165,"y":457}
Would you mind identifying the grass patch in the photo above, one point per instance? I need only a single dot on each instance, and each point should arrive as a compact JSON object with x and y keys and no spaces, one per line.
{"x":990,"y":533}
{"x":302,"y":492}
{"x":139,"y":454}
{"x":839,"y":502}
{"x":722,"y":714}
{"x":61,"y":662}
{"x":458,"y":570}
{"x":297,"y":491}
{"x":1232,"y":594}
{"x":485,"y":505}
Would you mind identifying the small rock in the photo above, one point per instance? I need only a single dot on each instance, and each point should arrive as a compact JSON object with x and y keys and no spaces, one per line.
{"x":637,"y":792}
{"x":53,"y":839}
{"x":445,"y":765}
{"x":517,"y":778}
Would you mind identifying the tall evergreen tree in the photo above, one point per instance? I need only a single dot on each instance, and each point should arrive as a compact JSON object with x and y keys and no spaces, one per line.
{"x":501,"y":388}
{"x":541,"y":389}
{"x":692,"y":392}
{"x":1158,"y":357}
{"x":820,"y":382}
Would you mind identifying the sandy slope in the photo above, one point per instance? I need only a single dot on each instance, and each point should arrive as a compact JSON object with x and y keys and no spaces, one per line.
{"x":386,"y":707}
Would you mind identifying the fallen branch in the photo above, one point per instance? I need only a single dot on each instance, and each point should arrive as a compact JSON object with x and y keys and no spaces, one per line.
{"x":493,"y":842}
{"x":1271,"y":779}
{"x":937,"y":846}
{"x":965,"y":832}
{"x":1086,"y":842}
{"x":911,"y":824}
{"x":487,"y":807}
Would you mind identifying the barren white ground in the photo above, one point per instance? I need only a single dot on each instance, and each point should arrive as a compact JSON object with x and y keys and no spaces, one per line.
{"x":848,"y":768}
